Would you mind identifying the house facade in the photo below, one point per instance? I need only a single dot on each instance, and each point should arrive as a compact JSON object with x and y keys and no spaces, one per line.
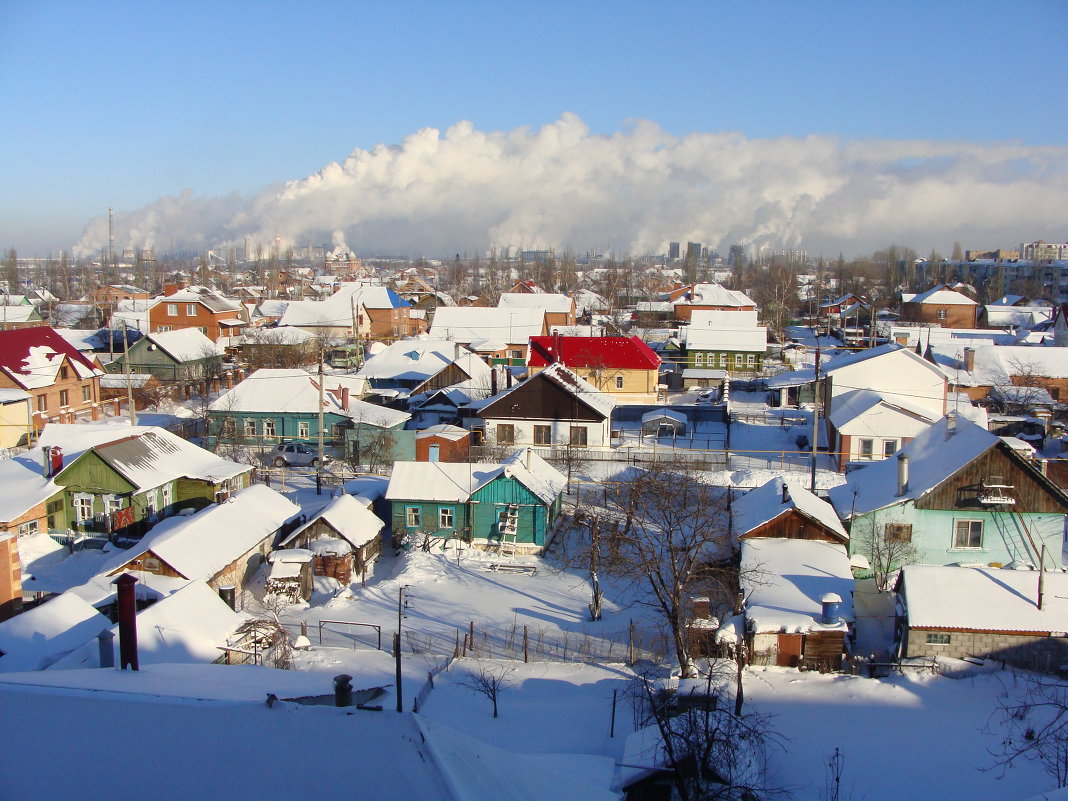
{"x":941,"y":306}
{"x":623,"y":367}
{"x":173,"y":356}
{"x":199,"y":308}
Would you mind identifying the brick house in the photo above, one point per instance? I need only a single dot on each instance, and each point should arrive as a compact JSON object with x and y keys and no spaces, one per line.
{"x":559,"y":309}
{"x":63,"y":382}
{"x":707,"y":297}
{"x":940,"y":305}
{"x":200,"y":308}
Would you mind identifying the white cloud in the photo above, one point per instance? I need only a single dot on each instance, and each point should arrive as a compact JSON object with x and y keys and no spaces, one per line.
{"x":632,"y":191}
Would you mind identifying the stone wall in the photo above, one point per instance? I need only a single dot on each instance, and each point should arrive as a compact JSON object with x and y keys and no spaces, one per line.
{"x":1025,"y":651}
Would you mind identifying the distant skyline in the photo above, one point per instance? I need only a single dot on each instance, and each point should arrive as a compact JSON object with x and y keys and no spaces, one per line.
{"x":832,"y":127}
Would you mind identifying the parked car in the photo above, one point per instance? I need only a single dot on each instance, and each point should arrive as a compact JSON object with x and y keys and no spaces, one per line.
{"x":293,"y":454}
{"x":709,"y":396}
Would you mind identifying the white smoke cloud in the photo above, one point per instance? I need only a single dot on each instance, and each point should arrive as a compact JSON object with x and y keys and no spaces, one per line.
{"x":561,"y":186}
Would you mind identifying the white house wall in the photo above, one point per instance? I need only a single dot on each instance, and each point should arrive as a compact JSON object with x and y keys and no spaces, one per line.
{"x":597,"y":434}
{"x":894,"y":376}
{"x":881,"y":425}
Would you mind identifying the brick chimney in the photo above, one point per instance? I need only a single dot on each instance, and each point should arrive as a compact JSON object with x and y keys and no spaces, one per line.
{"x":127,"y":621}
{"x":345,"y":399}
{"x":969,"y":359}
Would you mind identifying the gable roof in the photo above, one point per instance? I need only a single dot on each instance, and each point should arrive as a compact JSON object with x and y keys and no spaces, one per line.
{"x":850,"y":359}
{"x":550,"y":301}
{"x":337,"y":309}
{"x":38,"y":637}
{"x":351,"y":519}
{"x":455,"y":482}
{"x":185,"y":344}
{"x":211,"y":299}
{"x":201,"y":545}
{"x":31,"y":357}
{"x":613,"y":353}
{"x":468,"y":324}
{"x":934,"y":457}
{"x":942,"y":295}
{"x":714,"y":295}
{"x":420,"y":359}
{"x":600,"y":403}
{"x":766,"y":503}
{"x":851,"y":405}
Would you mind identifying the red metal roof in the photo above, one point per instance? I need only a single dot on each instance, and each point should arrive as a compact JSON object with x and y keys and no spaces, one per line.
{"x":619,"y":353}
{"x":15,"y":348}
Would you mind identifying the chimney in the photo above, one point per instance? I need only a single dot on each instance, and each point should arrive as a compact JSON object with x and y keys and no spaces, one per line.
{"x":343,"y":690}
{"x":526,"y":459}
{"x":830,"y":602}
{"x":951,"y":424}
{"x":508,"y":375}
{"x":902,"y":474}
{"x":56,"y":459}
{"x":46,"y":459}
{"x":345,"y":399}
{"x":105,"y":642}
{"x":127,"y":621}
{"x":969,"y":359}
{"x":785,"y":493}
{"x":493,"y":380}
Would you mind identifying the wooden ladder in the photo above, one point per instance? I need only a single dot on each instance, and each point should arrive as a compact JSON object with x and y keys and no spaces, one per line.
{"x":509,"y":531}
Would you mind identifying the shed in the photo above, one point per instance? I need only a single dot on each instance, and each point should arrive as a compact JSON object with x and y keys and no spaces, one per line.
{"x":664,"y":422}
{"x":343,"y":537}
{"x":290,"y":576}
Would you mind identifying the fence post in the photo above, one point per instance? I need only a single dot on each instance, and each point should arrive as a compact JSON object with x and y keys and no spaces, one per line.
{"x":471,"y":629}
{"x":526,"y":652}
{"x":630,"y":644}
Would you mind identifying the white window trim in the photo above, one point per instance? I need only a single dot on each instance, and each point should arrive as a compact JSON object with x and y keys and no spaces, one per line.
{"x":409,"y":517}
{"x":172,"y":309}
{"x":444,"y":511}
{"x":982,"y":534}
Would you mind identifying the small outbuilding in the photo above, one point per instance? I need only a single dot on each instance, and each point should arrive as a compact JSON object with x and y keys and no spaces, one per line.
{"x":344,"y":538}
{"x":664,"y":423}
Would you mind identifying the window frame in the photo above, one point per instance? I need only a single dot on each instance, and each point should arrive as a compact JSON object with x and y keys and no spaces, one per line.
{"x":190,"y":310}
{"x":82,"y":506}
{"x":889,"y":448}
{"x":543,"y":435}
{"x":446,"y":518}
{"x":29,"y":528}
{"x":619,"y":382}
{"x":64,"y":397}
{"x":172,"y":309}
{"x":269,"y":429}
{"x":866,"y":449}
{"x":413,"y":517}
{"x":970,"y":522}
{"x":303,"y":428}
{"x":897,"y":532}
{"x":87,"y":393}
{"x":583,"y":435}
{"x":502,"y":430}
{"x":250,"y":426}
{"x":938,"y":638}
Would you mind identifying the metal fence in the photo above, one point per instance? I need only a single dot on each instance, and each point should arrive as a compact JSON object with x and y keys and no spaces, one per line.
{"x":78,"y":540}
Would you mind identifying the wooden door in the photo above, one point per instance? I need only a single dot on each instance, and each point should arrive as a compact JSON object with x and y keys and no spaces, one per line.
{"x":789,"y":650}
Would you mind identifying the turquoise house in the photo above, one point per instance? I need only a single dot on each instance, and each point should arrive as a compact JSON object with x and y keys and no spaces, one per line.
{"x":515,"y":501}
{"x":955,"y":495}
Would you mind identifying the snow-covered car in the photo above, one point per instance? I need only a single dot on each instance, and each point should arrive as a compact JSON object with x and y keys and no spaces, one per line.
{"x":709,"y":396}
{"x":293,"y":454}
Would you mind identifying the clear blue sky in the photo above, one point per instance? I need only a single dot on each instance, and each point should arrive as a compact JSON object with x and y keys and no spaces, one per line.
{"x":119,"y":103}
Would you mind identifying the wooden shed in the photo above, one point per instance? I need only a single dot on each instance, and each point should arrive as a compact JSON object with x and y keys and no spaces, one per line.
{"x":344,"y":538}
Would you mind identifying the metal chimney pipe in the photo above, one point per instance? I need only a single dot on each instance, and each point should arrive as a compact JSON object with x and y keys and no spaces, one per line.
{"x":46,"y":459}
{"x":106,"y":643}
{"x":343,"y":690}
{"x":127,"y":621}
{"x":902,"y":474}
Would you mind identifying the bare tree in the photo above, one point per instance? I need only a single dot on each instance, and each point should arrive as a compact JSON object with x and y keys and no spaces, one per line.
{"x":710,"y":752}
{"x":489,"y":680}
{"x":887,"y":540}
{"x":1035,"y":728}
{"x":664,"y":526}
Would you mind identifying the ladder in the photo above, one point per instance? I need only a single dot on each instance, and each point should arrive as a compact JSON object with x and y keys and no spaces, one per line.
{"x":509,"y":530}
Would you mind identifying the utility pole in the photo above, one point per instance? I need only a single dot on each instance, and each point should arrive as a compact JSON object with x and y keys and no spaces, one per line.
{"x":322,"y":400}
{"x":129,"y":385}
{"x":815,"y":416}
{"x":397,"y":647}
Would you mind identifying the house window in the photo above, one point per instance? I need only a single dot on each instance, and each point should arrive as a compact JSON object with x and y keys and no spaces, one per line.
{"x":303,"y":430}
{"x":737,"y":360}
{"x":42,"y":403}
{"x":228,"y":427}
{"x":898,"y":532}
{"x":250,"y":427}
{"x":445,"y":518}
{"x":543,"y":435}
{"x":750,"y":360}
{"x":968,"y":534}
{"x":889,"y":447}
{"x":28,"y":528}
{"x":934,"y":638}
{"x":190,"y":310}
{"x":941,"y":314}
{"x":578,"y":436}
{"x":112,"y":504}
{"x":151,"y":504}
{"x":413,"y":517}
{"x":619,"y":382}
{"x":172,"y":309}
{"x":699,"y":360}
{"x":867,"y":447}
{"x":64,"y":372}
{"x":83,"y":508}
{"x":64,"y":397}
{"x":87,"y":394}
{"x":168,"y":498}
{"x":203,"y":329}
{"x":268,"y":428}
{"x":505,"y":433}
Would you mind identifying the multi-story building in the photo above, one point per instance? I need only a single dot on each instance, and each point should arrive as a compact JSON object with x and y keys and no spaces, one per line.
{"x":200,"y":308}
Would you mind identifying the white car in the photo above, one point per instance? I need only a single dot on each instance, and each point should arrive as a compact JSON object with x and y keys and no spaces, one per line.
{"x":709,"y":396}
{"x":293,"y":454}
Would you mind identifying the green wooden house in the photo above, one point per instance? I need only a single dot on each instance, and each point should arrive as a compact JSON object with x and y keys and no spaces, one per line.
{"x":273,"y":405}
{"x":172,"y":356}
{"x":514,"y":502}
{"x":123,"y":486}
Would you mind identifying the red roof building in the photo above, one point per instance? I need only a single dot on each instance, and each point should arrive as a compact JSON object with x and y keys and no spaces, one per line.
{"x":624,"y":367}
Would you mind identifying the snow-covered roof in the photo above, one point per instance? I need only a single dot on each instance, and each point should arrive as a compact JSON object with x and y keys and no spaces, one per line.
{"x":32,"y":357}
{"x":983,"y":599}
{"x":22,"y":477}
{"x":184,"y":344}
{"x":188,"y":625}
{"x":587,"y":393}
{"x":611,"y":353}
{"x":703,"y":373}
{"x":716,"y":295}
{"x":454,"y":482}
{"x":201,"y":545}
{"x":724,"y":318}
{"x":156,"y":456}
{"x":850,"y":359}
{"x":752,"y":340}
{"x":784,"y":579}
{"x":337,"y":309}
{"x":349,"y":518}
{"x":550,"y":302}
{"x":765,"y":503}
{"x":420,"y":358}
{"x":1022,"y":316}
{"x":38,"y":637}
{"x":18,"y":314}
{"x":941,"y":295}
{"x":445,"y":431}
{"x":121,"y":380}
{"x":201,"y":294}
{"x":850,"y":407}
{"x":934,"y":456}
{"x":296,"y":391}
{"x":470,"y":324}
{"x":670,"y":414}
